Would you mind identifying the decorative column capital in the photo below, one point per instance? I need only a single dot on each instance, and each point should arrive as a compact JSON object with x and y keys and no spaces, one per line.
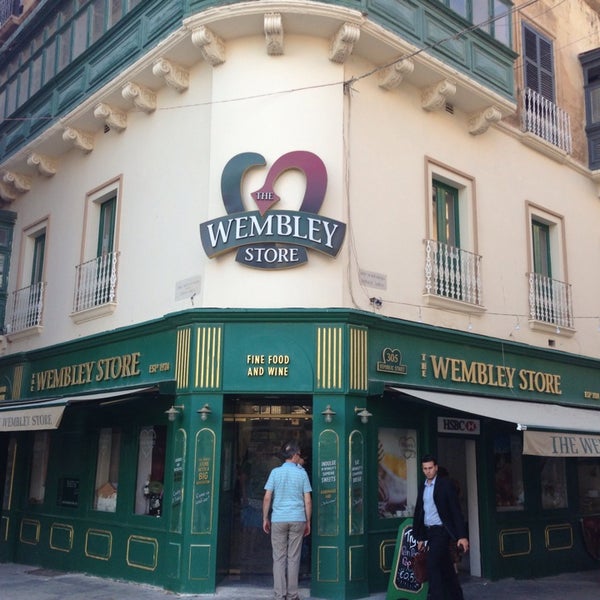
{"x":174,"y":75}
{"x":82,"y":140}
{"x":342,"y":43}
{"x":391,"y":77}
{"x":7,"y":193}
{"x":45,"y":165}
{"x":142,"y":97}
{"x":211,"y":46}
{"x":480,"y":122}
{"x":273,"y":27}
{"x":112,"y":117}
{"x":436,"y":96}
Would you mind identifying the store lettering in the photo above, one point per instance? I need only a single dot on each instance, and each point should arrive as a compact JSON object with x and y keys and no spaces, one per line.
{"x":271,"y":365}
{"x":104,"y":369}
{"x":570,"y":444}
{"x":479,"y":373}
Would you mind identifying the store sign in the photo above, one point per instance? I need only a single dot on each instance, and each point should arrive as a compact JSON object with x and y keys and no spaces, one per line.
{"x":45,"y":417}
{"x":391,"y":362}
{"x":460,"y":426}
{"x":553,"y":443}
{"x":272,"y":239}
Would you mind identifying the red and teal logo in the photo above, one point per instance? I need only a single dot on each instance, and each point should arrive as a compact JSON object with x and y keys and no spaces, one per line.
{"x":268,"y":238}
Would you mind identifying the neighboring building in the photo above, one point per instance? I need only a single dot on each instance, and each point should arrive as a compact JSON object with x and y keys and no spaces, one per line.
{"x":368,"y":226}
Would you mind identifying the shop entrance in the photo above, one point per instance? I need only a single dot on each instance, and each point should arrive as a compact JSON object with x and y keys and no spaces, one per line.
{"x":258,"y":428}
{"x":458,"y":457}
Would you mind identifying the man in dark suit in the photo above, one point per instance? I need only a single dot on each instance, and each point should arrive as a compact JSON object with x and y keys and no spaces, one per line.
{"x":439,"y":521}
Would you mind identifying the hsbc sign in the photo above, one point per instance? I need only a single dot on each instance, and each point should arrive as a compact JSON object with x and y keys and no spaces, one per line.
{"x":459,"y":426}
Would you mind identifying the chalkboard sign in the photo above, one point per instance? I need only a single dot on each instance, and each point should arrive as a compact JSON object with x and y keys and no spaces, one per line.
{"x":402,"y":584}
{"x":68,"y":492}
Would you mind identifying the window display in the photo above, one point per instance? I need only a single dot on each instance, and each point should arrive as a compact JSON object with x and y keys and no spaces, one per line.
{"x":107,"y":470}
{"x":151,"y":470}
{"x":553,"y":479}
{"x":39,"y":467}
{"x":508,"y":472}
{"x":588,"y":477}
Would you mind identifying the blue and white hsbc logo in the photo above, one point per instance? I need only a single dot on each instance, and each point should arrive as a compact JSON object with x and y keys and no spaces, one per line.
{"x":266,"y":238}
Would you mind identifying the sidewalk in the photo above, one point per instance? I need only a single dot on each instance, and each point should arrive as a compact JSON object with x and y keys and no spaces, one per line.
{"x":25,"y":582}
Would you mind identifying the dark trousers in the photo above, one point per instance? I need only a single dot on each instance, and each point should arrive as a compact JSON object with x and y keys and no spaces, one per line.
{"x":443,"y":581}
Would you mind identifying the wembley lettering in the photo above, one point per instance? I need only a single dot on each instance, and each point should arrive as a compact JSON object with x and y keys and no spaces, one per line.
{"x":291,"y":227}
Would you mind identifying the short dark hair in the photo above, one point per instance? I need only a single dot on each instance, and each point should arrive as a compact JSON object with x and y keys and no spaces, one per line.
{"x":429,"y":458}
{"x":289,"y":449}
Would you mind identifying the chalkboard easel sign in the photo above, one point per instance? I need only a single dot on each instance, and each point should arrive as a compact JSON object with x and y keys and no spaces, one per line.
{"x":402,"y":584}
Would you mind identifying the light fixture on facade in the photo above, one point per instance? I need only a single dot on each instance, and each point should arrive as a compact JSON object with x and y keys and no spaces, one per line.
{"x":204,"y":412}
{"x":521,"y":427}
{"x":173,"y":412}
{"x":363,"y":413}
{"x":328,"y":414}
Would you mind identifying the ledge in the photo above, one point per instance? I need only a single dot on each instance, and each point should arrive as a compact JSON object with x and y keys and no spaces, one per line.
{"x":93,"y":313}
{"x":451,"y":304}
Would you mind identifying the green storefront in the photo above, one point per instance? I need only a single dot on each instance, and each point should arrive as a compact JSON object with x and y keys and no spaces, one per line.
{"x":141,"y":453}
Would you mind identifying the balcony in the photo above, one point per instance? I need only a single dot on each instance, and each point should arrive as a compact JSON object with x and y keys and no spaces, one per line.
{"x":11,"y":15}
{"x":550,"y":304}
{"x":95,"y":287}
{"x":452,"y":274}
{"x":549,"y":124}
{"x":26,"y":310}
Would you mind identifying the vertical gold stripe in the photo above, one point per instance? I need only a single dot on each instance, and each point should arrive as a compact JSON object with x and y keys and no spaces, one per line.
{"x":17,"y":382}
{"x":182,"y":358}
{"x":358,"y":359}
{"x":218,"y":358}
{"x":208,"y":353}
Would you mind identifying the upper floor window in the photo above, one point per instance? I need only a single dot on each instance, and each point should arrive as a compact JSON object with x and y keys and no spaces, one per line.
{"x":492,"y":16}
{"x":538,"y":63}
{"x":7,"y":221}
{"x":590,"y":62}
{"x":452,"y":268}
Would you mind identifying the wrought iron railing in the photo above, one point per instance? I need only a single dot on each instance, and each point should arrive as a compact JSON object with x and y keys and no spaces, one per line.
{"x":452,"y":272}
{"x":550,"y":301}
{"x":546,"y":120}
{"x":96,"y":282}
{"x":9,"y":8}
{"x":26,"y":307}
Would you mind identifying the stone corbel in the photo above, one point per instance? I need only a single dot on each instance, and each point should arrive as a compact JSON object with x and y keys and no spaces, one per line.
{"x":7,"y":193}
{"x":392,"y":76}
{"x":211,"y":46}
{"x":174,"y":75}
{"x":273,"y":26}
{"x":20,"y":182}
{"x":480,"y":122}
{"x":436,"y":96}
{"x":142,"y":97}
{"x":342,"y":43}
{"x":113,"y":117}
{"x":45,"y":165}
{"x":82,"y":140}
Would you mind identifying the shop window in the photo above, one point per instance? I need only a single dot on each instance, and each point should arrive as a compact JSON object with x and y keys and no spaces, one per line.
{"x":10,"y":473}
{"x":107,"y":470}
{"x":150,"y":470}
{"x":508,"y":472}
{"x":588,"y":477}
{"x":397,"y":472}
{"x":553,"y":480}
{"x":39,"y":467}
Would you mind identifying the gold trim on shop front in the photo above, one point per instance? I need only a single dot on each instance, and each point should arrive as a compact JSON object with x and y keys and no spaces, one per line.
{"x":142,"y":539}
{"x":208,"y":357}
{"x":66,"y":527}
{"x":521,"y":530}
{"x":383,"y":545}
{"x":99,"y":533}
{"x":548,"y":531}
{"x":358,"y":359}
{"x":37,"y":526}
{"x":329,"y":358}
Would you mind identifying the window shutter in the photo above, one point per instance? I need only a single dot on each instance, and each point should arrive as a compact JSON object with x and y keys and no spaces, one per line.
{"x":538,"y":63}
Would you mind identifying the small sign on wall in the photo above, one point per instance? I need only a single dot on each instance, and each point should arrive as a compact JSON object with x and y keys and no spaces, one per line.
{"x":459,"y":426}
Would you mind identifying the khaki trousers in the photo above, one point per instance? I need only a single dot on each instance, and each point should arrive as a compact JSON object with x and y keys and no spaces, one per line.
{"x":286,"y":540}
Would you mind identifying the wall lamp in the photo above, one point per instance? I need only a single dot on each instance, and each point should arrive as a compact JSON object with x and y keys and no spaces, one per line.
{"x":521,"y":427}
{"x":174,"y":412}
{"x":363,"y":413}
{"x":328,"y":414}
{"x":204,"y":412}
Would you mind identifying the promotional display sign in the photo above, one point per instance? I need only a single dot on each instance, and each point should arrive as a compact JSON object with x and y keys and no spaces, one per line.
{"x":403,"y":584}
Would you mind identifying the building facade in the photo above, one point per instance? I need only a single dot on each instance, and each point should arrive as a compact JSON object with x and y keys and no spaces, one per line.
{"x":366,"y":226}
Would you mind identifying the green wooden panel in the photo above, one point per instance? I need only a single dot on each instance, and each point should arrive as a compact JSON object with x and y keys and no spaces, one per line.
{"x":357,"y":562}
{"x":71,"y":89}
{"x":328,"y":564}
{"x":491,"y":67}
{"x":515,"y":542}
{"x":559,"y":537}
{"x":61,"y":537}
{"x":174,"y":561}
{"x":204,"y":482}
{"x":142,"y":552}
{"x":328,"y":504}
{"x":200,"y":561}
{"x":405,"y":15}
{"x":30,"y":531}
{"x":436,"y":29}
{"x":98,"y":544}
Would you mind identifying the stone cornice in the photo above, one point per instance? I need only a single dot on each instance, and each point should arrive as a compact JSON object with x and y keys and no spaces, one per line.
{"x":210,"y":45}
{"x":113,"y":117}
{"x":273,"y":26}
{"x":342,"y":43}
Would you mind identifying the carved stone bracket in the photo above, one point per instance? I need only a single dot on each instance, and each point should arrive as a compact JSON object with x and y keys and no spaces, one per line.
{"x":436,"y":96}
{"x":112,"y":117}
{"x":82,"y":140}
{"x":141,"y":96}
{"x":273,"y":26}
{"x":342,"y":43}
{"x":392,"y":76}
{"x":45,"y":165}
{"x":480,"y":122}
{"x":175,"y":75}
{"x":7,"y":193}
{"x":211,"y":46}
{"x":21,"y":183}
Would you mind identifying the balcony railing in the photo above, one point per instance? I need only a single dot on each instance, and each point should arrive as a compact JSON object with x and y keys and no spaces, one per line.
{"x":543,"y":118}
{"x":8,"y":9}
{"x":452,"y":273}
{"x":96,"y":282}
{"x":550,"y":301}
{"x":26,"y":307}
